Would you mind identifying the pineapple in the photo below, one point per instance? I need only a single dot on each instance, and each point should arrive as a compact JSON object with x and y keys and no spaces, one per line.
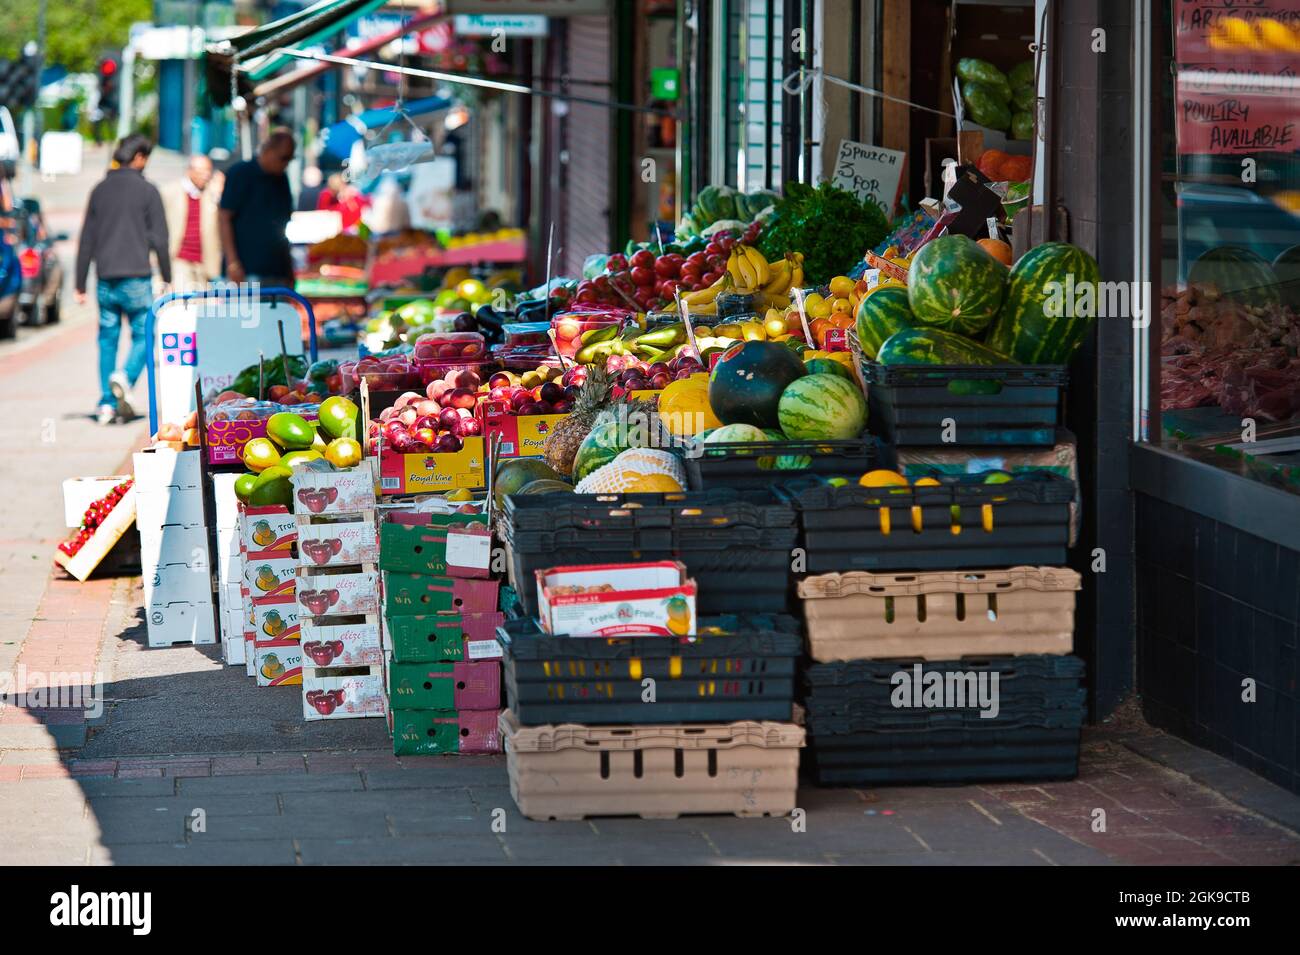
{"x":563,"y":441}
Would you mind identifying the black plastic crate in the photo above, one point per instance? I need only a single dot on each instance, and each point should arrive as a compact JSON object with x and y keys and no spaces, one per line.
{"x":1025,"y":521}
{"x":1023,"y":753}
{"x":746,"y":567}
{"x":740,"y":668}
{"x":988,"y":405}
{"x":603,"y":513}
{"x":736,"y":546}
{"x":756,"y":464}
{"x":872,"y":678}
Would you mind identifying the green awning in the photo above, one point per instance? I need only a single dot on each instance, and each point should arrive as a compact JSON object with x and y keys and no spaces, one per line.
{"x":307,"y":26}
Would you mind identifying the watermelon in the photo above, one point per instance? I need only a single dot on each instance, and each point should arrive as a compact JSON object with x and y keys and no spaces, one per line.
{"x":514,"y":473}
{"x":934,"y":346}
{"x":1239,"y":274}
{"x":735,"y":434}
{"x":827,"y":366}
{"x":546,"y":486}
{"x":745,"y":385}
{"x":822,"y":407}
{"x":1287,"y":269}
{"x":955,"y":285}
{"x":882,"y":313}
{"x":602,"y":445}
{"x":1028,"y":330}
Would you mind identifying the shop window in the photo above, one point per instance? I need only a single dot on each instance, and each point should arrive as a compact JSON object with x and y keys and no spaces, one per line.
{"x":1229,"y":382}
{"x":753,"y":48}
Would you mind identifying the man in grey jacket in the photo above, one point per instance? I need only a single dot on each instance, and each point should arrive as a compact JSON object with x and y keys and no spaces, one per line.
{"x":125,"y":221}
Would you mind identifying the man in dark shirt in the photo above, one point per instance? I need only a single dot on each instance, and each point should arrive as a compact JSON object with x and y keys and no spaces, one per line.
{"x":255,"y":208}
{"x":124,"y":222}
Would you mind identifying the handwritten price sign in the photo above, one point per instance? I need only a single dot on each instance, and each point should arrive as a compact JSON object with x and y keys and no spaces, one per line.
{"x":1234,"y":93}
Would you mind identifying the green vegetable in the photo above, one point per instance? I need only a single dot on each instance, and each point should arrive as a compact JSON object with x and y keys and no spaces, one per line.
{"x":1022,"y":74}
{"x":246,"y":381}
{"x":1023,"y":97}
{"x":830,"y":226}
{"x":981,"y":71}
{"x":1022,"y":125}
{"x":986,"y":105}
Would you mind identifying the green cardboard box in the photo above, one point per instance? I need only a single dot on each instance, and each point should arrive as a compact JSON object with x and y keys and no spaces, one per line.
{"x":431,"y":732}
{"x":410,"y":594}
{"x":442,"y":637}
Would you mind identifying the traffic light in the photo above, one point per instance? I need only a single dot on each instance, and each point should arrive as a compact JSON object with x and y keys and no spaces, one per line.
{"x":109,"y":71}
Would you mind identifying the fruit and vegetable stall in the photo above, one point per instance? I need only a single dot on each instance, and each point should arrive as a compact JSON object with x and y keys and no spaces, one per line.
{"x":677,"y":524}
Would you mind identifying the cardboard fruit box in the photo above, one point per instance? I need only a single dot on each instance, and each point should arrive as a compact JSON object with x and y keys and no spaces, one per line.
{"x":608,"y":600}
{"x":334,"y":492}
{"x":337,"y":545}
{"x":444,"y":637}
{"x":432,"y":732}
{"x":225,"y":437}
{"x":277,"y":662}
{"x":411,"y":594}
{"x":461,"y":549}
{"x":431,"y":472}
{"x":522,"y":436}
{"x":445,"y":686}
{"x":276,"y":617}
{"x":270,"y":573}
{"x":322,"y":595}
{"x":341,"y":644}
{"x":343,"y":693}
{"x":266,"y":528}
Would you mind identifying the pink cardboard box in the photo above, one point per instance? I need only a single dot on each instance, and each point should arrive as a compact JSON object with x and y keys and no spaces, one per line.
{"x":339,"y":694}
{"x":334,"y":492}
{"x":342,"y":644}
{"x":337,"y":545}
{"x":225,"y":438}
{"x":322,"y":595}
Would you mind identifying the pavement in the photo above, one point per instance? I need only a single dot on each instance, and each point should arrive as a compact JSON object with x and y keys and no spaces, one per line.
{"x":189,"y":763}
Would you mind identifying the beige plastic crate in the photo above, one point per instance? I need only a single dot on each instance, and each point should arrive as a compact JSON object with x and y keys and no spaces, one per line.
{"x":940,"y":615}
{"x":656,"y":772}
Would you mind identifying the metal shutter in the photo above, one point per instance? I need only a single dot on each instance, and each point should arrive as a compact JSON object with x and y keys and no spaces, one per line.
{"x":589,"y":139}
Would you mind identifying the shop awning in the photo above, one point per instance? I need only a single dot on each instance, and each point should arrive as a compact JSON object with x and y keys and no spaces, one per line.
{"x":339,"y":137}
{"x":255,"y":47}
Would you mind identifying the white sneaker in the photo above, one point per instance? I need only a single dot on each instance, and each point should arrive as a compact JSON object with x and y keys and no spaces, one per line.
{"x":121,"y":390}
{"x":106,"y":414}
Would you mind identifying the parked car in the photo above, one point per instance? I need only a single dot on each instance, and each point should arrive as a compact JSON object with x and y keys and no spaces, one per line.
{"x":10,"y":284}
{"x":10,"y":146}
{"x":42,"y":291}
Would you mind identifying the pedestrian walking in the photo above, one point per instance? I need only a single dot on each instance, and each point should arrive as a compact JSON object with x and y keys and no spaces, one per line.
{"x":193,"y":226}
{"x":124,"y":222}
{"x":256,"y":205}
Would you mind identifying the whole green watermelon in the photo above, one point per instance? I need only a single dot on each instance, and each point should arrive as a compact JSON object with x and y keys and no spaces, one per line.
{"x":747,"y":382}
{"x":880,"y":314}
{"x":934,"y":346}
{"x":817,"y":407}
{"x":1240,"y":274}
{"x":1038,"y":324}
{"x":955,"y":285}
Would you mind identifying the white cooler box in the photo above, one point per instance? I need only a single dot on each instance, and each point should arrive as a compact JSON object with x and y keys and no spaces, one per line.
{"x":173,"y":544}
{"x":170,"y":583}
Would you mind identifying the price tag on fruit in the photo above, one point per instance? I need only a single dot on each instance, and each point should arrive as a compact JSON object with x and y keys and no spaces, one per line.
{"x":837,"y":339}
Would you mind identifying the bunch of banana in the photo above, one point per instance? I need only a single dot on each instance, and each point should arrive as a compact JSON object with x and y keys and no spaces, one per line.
{"x":748,"y":269}
{"x":703,"y":301}
{"x":785,"y":275}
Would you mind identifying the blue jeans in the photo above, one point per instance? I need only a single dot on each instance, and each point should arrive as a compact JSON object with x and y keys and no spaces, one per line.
{"x":118,"y":299}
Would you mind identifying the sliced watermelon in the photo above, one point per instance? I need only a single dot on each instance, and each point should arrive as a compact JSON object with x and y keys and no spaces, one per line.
{"x":955,"y":285}
{"x":1028,"y":329}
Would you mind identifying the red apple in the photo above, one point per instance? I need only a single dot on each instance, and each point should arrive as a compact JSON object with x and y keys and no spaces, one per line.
{"x":425,"y":436}
{"x":466,"y":427}
{"x":408,"y":417}
{"x":563,"y":406}
{"x":466,"y":379}
{"x":402,"y":442}
{"x":519,"y":399}
{"x":449,"y":417}
{"x":447,"y":443}
{"x":427,"y":406}
{"x":426,"y":421}
{"x":550,"y":392}
{"x":661,"y":380}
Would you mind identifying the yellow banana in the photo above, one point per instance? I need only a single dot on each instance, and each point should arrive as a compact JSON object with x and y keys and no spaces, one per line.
{"x":742,"y":270}
{"x":780,"y":278}
{"x":762,"y":270}
{"x":704,"y":296}
{"x":796,"y":273}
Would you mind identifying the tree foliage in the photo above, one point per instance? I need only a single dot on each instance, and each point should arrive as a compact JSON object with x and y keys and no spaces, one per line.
{"x":77,"y":32}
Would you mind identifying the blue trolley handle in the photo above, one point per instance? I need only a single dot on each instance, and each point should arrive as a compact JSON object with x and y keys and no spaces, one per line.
{"x":270,"y":293}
